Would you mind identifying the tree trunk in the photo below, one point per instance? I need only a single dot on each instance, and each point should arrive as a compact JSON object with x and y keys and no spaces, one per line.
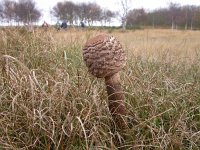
{"x":186,"y":26}
{"x":191,"y":26}
{"x":124,"y":24}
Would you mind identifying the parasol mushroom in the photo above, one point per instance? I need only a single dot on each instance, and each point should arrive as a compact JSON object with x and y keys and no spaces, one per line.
{"x":104,"y":58}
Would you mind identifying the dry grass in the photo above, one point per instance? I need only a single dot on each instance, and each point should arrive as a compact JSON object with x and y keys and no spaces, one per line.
{"x":47,"y":98}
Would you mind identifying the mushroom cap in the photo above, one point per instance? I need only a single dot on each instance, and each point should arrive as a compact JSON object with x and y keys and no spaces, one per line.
{"x":104,"y":56}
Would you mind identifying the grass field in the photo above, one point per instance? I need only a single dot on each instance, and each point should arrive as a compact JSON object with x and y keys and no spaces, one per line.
{"x":48,"y":99}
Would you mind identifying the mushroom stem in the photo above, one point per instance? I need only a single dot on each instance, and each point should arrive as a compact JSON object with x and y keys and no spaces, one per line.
{"x":116,"y":100}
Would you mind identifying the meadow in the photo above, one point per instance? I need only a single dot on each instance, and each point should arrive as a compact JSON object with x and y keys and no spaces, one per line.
{"x":48,"y":100}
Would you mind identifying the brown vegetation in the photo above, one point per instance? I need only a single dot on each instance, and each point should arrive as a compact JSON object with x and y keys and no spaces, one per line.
{"x":47,"y":95}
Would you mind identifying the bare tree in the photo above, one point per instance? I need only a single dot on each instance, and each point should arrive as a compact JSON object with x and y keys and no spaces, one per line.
{"x":22,"y":11}
{"x":160,"y":17}
{"x":186,"y":11}
{"x":71,"y":12}
{"x":125,"y":9}
{"x":174,"y":10}
{"x":89,"y":12}
{"x":107,"y":16}
{"x":27,"y":12}
{"x":82,"y":11}
{"x":65,"y":11}
{"x":193,"y":15}
{"x":69,"y":8}
{"x":94,"y":13}
{"x":9,"y":10}
{"x":57,"y":11}
{"x":1,"y":11}
{"x":136,"y":17}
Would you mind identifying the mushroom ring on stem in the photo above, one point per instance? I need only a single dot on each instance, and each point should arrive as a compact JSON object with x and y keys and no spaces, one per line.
{"x":104,"y":58}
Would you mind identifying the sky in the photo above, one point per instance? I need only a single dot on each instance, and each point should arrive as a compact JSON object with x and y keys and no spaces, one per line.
{"x":46,"y":5}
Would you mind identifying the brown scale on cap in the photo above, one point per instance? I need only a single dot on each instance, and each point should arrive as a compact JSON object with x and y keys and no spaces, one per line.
{"x":104,"y":58}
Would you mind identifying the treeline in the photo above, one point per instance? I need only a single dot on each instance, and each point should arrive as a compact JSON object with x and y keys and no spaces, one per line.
{"x":22,"y":11}
{"x":26,"y":12}
{"x":90,"y":13}
{"x":174,"y":16}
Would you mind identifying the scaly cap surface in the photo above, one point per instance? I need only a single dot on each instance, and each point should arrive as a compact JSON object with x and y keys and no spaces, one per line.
{"x":103,"y":56}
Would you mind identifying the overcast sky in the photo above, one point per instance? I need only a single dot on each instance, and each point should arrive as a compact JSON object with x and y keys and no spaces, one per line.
{"x":114,"y":5}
